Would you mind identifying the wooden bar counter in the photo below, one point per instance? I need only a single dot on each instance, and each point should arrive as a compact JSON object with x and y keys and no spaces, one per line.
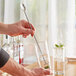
{"x":70,"y":68}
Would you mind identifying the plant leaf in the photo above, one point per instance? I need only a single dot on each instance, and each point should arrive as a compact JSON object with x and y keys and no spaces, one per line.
{"x":56,"y":45}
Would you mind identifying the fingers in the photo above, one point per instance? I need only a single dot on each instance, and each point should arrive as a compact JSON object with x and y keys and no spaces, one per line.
{"x":21,"y":28}
{"x":25,"y":35}
{"x":31,"y":26}
{"x":38,"y":71}
{"x":27,"y":25}
{"x":26,"y":32}
{"x":47,"y":72}
{"x":42,"y":72}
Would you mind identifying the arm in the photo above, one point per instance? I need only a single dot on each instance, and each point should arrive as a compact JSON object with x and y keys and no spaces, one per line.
{"x":15,"y":69}
{"x":19,"y":28}
{"x":7,"y":64}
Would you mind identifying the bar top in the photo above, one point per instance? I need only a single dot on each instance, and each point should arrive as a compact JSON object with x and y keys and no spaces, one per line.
{"x":70,"y":68}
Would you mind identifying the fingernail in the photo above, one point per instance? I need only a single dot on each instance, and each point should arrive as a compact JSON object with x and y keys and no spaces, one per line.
{"x":24,"y":36}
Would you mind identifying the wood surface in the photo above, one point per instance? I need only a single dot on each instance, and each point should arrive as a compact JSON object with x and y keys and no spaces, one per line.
{"x":70,"y":69}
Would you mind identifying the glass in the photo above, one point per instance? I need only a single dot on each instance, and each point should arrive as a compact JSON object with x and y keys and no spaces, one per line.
{"x":7,"y":45}
{"x":15,"y":50}
{"x":59,"y":61}
{"x":43,"y":56}
{"x":18,"y":50}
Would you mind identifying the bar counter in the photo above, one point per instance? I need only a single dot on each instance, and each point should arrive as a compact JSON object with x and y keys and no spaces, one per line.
{"x":70,"y":68}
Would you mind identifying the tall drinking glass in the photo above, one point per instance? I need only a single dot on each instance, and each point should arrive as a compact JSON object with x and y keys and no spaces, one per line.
{"x":43,"y":56}
{"x":59,"y":60}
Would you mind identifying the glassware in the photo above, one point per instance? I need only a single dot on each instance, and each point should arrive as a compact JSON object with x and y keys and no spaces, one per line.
{"x":59,"y":60}
{"x":19,"y":50}
{"x":7,"y":45}
{"x":15,"y":50}
{"x":21,"y":53}
{"x":44,"y":58}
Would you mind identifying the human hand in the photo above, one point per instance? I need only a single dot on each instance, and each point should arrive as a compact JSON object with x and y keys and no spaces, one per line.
{"x":41,"y":72}
{"x":20,"y":28}
{"x":35,"y":72}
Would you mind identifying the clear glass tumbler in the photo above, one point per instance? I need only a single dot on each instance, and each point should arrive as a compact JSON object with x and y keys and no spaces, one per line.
{"x":43,"y":56}
{"x":59,"y":60}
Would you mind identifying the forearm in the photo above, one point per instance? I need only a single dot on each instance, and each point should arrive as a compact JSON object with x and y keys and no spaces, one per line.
{"x":3,"y":28}
{"x":11,"y":67}
{"x":15,"y":69}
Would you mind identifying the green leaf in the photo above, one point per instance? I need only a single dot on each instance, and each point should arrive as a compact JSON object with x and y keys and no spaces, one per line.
{"x":61,"y":45}
{"x":46,"y":67}
{"x":56,"y":45}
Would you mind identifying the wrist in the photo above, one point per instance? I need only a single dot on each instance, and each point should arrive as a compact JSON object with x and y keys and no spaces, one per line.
{"x":3,"y":28}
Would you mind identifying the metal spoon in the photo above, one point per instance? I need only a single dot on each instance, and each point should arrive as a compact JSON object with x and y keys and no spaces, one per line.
{"x":34,"y":35}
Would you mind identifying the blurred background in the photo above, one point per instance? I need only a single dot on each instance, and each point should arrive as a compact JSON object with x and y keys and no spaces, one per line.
{"x":54,"y":20}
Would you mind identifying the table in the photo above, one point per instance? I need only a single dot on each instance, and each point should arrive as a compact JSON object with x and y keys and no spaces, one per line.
{"x":70,"y":68}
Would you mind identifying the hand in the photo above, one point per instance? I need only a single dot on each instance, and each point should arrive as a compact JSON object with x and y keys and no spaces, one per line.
{"x":41,"y":72}
{"x":20,"y":28}
{"x":35,"y":72}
